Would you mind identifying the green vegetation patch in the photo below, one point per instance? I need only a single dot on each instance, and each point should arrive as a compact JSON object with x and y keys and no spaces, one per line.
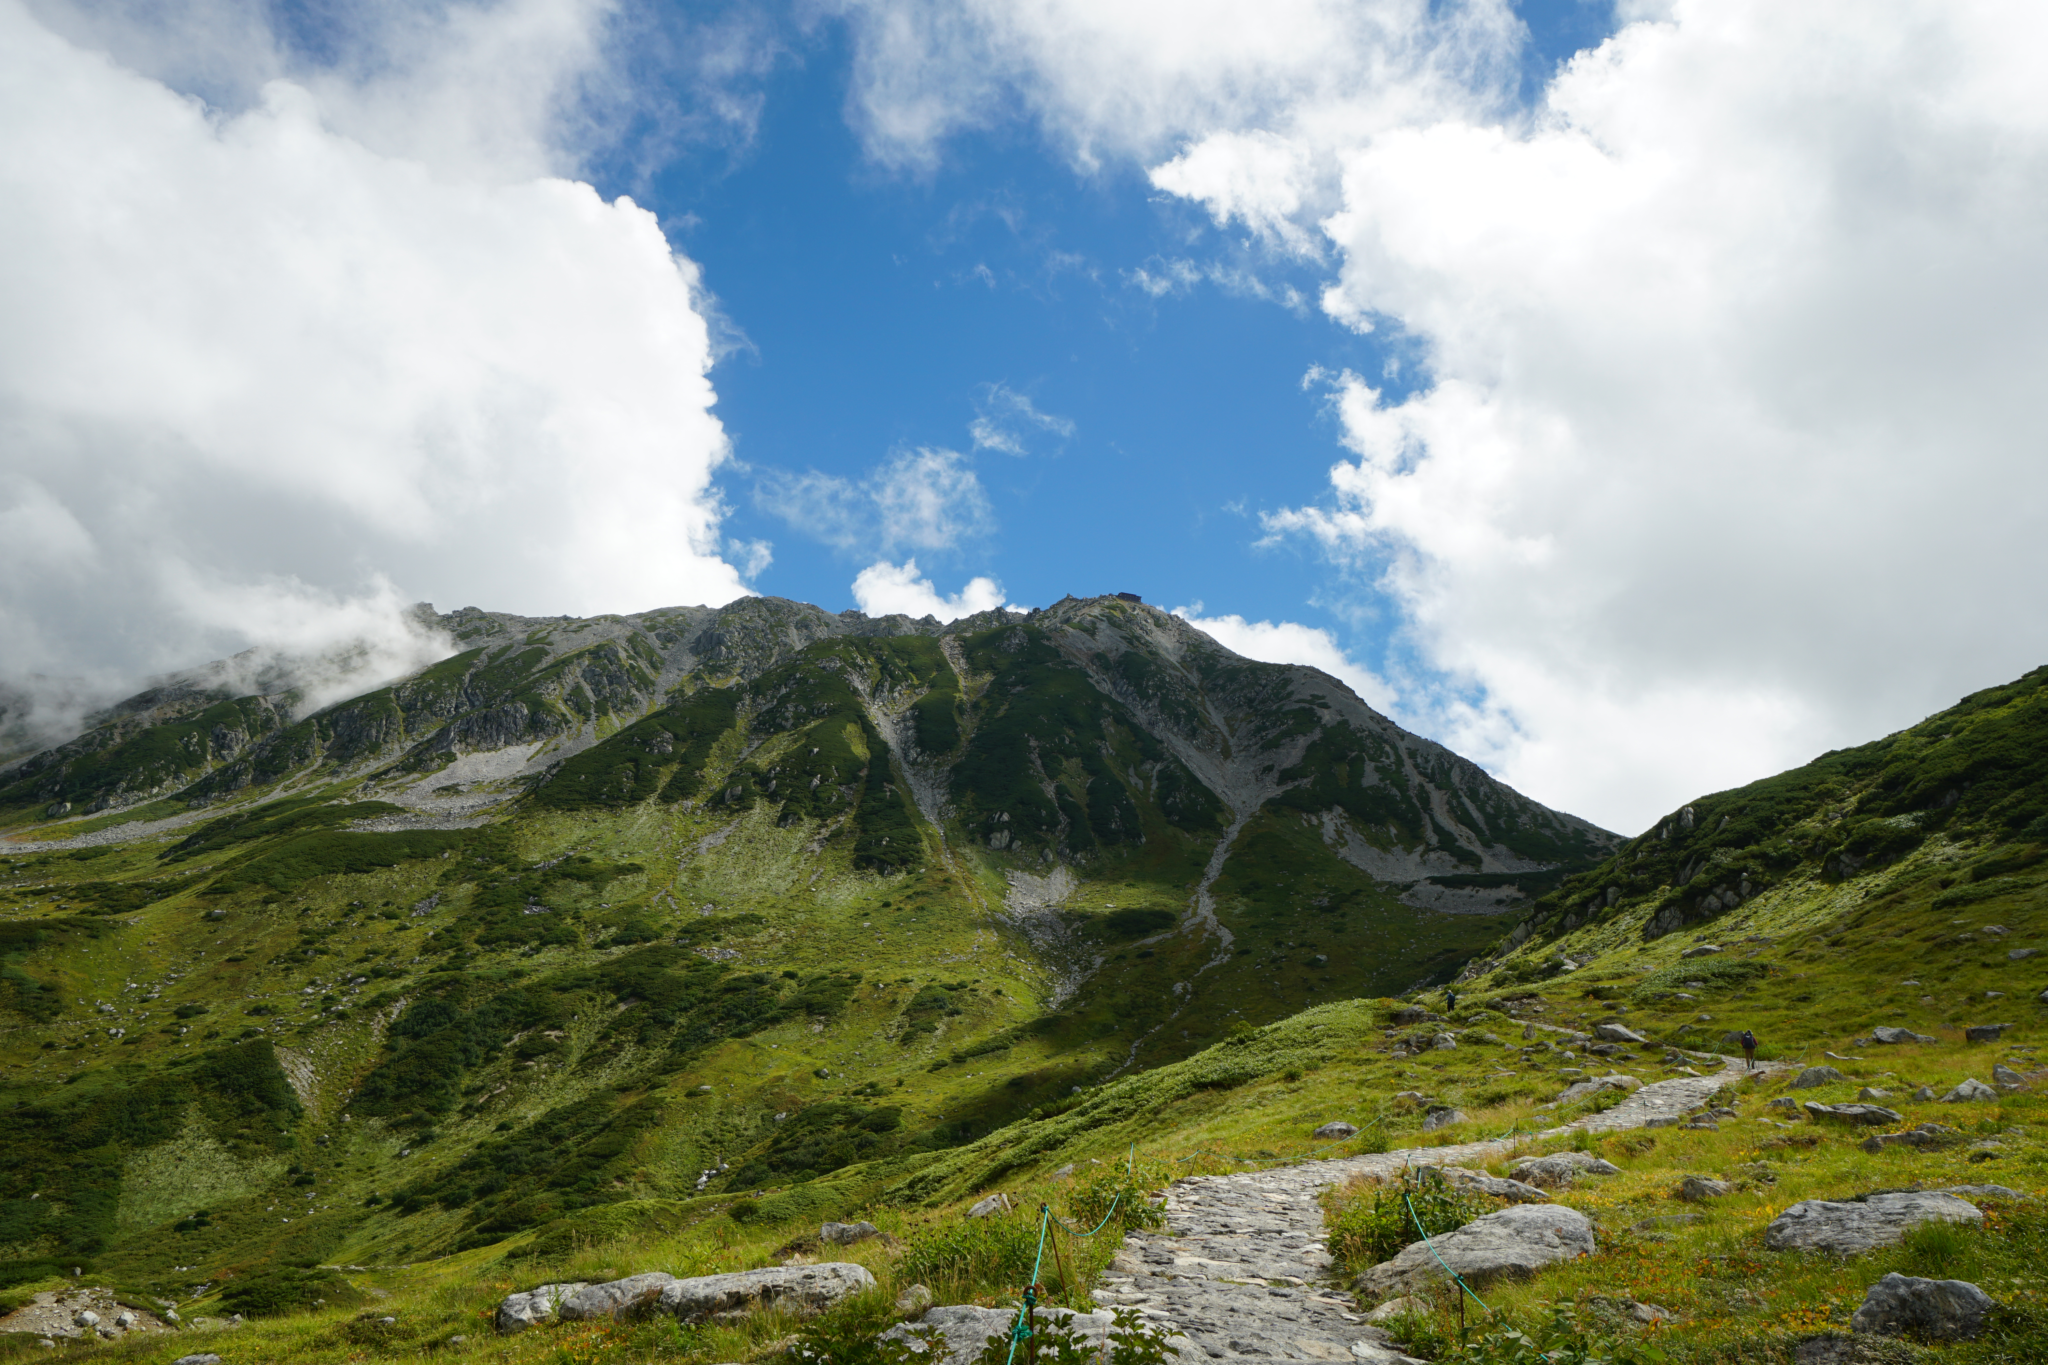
{"x":288,"y":1289}
{"x":309,"y":857}
{"x":664,"y":754}
{"x":296,"y":816}
{"x":1715,"y":973}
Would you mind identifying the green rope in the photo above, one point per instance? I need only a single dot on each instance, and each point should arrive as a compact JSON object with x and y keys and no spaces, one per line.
{"x":1440,"y":1260}
{"x":1019,"y":1329}
{"x":1130,"y":1165}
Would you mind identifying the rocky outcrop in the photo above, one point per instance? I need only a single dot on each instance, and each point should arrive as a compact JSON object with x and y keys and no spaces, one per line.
{"x":1851,"y":1228}
{"x":1937,"y":1310}
{"x":1492,"y":1186}
{"x":1816,"y":1076}
{"x":801,"y":1289}
{"x":1512,"y":1244}
{"x":1560,"y":1168}
{"x":1864,"y":1115}
{"x":1970,"y":1091}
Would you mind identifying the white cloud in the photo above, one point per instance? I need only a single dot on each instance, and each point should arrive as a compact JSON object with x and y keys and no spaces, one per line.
{"x":260,"y":361}
{"x":1727,"y":449}
{"x":885,"y":589}
{"x":921,"y":499}
{"x":1008,"y":421}
{"x":1290,"y":642}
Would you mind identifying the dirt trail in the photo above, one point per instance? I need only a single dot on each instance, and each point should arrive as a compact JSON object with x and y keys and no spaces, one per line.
{"x":1241,"y":1270}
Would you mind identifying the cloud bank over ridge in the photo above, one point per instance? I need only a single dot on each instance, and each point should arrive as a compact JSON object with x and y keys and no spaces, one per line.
{"x":266,"y":371}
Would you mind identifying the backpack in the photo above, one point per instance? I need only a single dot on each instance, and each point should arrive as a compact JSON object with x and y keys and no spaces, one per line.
{"x":1748,"y":1039}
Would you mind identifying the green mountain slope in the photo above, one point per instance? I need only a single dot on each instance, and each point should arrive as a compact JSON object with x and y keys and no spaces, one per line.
{"x":697,"y":902}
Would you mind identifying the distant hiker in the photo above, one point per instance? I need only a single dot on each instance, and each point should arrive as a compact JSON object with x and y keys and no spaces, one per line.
{"x":1748,"y":1041}
{"x":1450,"y":1002}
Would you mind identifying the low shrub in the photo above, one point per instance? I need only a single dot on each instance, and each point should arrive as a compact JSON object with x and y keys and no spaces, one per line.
{"x":288,"y":1289}
{"x":1371,"y":1222}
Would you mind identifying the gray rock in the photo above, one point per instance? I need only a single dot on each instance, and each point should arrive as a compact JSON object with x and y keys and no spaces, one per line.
{"x":1985,"y":1033}
{"x":1886,"y":1034}
{"x":1781,"y":1102}
{"x":846,"y":1234}
{"x":517,"y":1312}
{"x":913,"y":1300}
{"x":1697,"y":1189}
{"x":205,"y":1358}
{"x":1941,"y":1310}
{"x":2021,"y":954}
{"x":1441,"y":1117}
{"x":1442,"y":1041}
{"x":1969,"y":1091}
{"x":1514,"y":1191}
{"x":1870,"y":1095}
{"x":614,"y":1300}
{"x":1998,"y":1192}
{"x":1399,"y":1307}
{"x":1336,"y":1130}
{"x":1926,"y":1135}
{"x":1063,"y":1172}
{"x":1593,"y":1085}
{"x":995,"y":1203}
{"x":1849,"y":1229}
{"x":2001,"y":1074}
{"x":1512,"y":1244}
{"x":964,"y":1328}
{"x":85,"y":1317}
{"x":1560,"y":1168}
{"x":1864,"y":1115}
{"x":1816,"y":1076}
{"x":1703,"y":950}
{"x":1923,"y":1094}
{"x":800,"y":1289}
{"x":1616,"y":1033}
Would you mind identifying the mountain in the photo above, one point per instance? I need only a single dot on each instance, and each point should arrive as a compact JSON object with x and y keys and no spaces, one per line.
{"x":692,"y":901}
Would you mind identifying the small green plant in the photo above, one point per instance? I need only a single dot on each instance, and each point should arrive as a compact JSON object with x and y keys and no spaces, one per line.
{"x":851,"y":1334}
{"x":1370,"y":1223}
{"x":1560,"y":1340}
{"x":1054,"y":1341}
{"x":1124,"y":1194}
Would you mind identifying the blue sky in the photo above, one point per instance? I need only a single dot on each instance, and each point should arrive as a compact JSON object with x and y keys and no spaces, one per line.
{"x":1609,"y":391}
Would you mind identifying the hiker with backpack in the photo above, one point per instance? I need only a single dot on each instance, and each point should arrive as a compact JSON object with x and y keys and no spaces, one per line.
{"x":1748,"y":1041}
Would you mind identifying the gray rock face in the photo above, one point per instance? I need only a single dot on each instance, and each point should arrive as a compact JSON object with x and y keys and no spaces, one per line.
{"x":801,"y":1289}
{"x":1970,"y":1091}
{"x":1697,"y":1189}
{"x":1560,"y":1168}
{"x":1926,"y":1135}
{"x":846,"y":1234}
{"x":517,"y":1312}
{"x":1998,"y":1192}
{"x":1849,"y":1229}
{"x":1942,"y":1310}
{"x":1616,"y":1033}
{"x":1336,"y":1130}
{"x":614,"y":1300}
{"x":1512,"y":1244}
{"x":1886,"y":1034}
{"x":1815,"y":1077}
{"x":1514,"y":1191}
{"x":1865,"y":1115}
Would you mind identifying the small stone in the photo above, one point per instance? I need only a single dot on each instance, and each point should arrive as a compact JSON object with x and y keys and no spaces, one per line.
{"x":846,"y":1234}
{"x":1616,"y":1033}
{"x":124,"y":1320}
{"x":1704,"y":950}
{"x":1697,"y":1189}
{"x":1443,"y":1042}
{"x":1985,"y":1033}
{"x":1924,"y":1094}
{"x":1395,"y":1308}
{"x":914,"y":1300}
{"x":206,"y":1358}
{"x":1969,"y":1091}
{"x":458,"y":1339}
{"x":2001,"y":1074}
{"x":995,"y":1203}
{"x":1870,"y":1094}
{"x":1885,"y":1034}
{"x":1782,"y":1102}
{"x":1816,"y":1076}
{"x":1560,"y":1168}
{"x":1940,"y":1310}
{"x":1647,"y":1313}
{"x":85,"y":1317}
{"x":1336,"y":1130}
{"x":2021,"y":954}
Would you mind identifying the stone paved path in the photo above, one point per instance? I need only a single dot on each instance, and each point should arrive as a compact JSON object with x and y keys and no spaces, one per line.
{"x":1243,"y":1270}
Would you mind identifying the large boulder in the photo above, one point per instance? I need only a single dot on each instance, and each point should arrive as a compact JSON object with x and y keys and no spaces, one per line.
{"x":1337,"y":1130}
{"x":615,"y":1300}
{"x":1985,"y":1033}
{"x":1512,"y":1244}
{"x":1852,"y":1228}
{"x":1697,"y":1189}
{"x":1940,"y":1310}
{"x":1969,"y":1092}
{"x":1816,"y":1076}
{"x":534,"y":1306}
{"x":1560,"y":1168}
{"x":1865,"y":1115}
{"x":800,"y":1289}
{"x":1617,"y":1033}
{"x":846,"y":1234}
{"x":1884,"y":1033}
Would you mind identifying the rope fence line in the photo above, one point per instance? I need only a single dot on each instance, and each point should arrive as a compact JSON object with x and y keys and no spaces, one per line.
{"x":1440,"y":1260}
{"x":1021,"y":1329}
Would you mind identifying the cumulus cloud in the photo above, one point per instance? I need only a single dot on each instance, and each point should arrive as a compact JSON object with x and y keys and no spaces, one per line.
{"x":1008,"y":421}
{"x":266,"y":355}
{"x":1290,"y":642}
{"x":885,"y":589}
{"x":921,"y":499}
{"x":1725,"y":449}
